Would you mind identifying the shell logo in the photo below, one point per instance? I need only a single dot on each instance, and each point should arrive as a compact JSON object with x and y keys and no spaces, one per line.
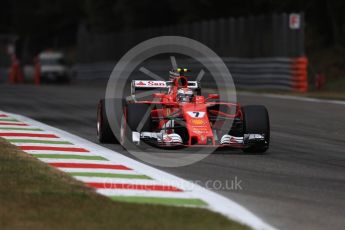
{"x":140,"y":83}
{"x":167,"y":139}
{"x":198,"y":122}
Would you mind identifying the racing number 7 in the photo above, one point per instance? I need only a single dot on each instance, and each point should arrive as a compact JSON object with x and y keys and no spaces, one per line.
{"x":196,"y":114}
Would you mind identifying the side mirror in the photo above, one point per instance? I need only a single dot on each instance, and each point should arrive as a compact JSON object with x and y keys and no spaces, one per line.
{"x":212,"y":96}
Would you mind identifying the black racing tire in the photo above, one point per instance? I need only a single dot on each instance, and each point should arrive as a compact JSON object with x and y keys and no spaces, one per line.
{"x":198,"y":91}
{"x":256,"y":121}
{"x":104,"y":132}
{"x":134,"y":115}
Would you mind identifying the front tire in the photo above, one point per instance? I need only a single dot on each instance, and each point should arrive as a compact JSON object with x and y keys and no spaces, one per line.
{"x":136,"y":118}
{"x":256,"y":121}
{"x":104,"y":132}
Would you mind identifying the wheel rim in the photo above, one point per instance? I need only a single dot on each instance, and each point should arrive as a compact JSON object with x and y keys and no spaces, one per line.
{"x":123,"y":130}
{"x":123,"y":127}
{"x":99,"y":117}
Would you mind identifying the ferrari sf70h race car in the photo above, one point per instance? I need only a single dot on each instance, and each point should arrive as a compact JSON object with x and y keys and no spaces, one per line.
{"x":182,"y":117}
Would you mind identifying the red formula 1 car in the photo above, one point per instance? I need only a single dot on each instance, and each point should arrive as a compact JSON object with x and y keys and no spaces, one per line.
{"x":181,"y":116}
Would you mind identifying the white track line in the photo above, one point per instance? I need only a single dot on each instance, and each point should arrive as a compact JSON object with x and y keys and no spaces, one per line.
{"x":120,"y":181}
{"x":114,"y":171}
{"x":216,"y":202}
{"x":58,"y":152}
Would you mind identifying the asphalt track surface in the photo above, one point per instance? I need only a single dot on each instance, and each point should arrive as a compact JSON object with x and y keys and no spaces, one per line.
{"x":298,"y":184}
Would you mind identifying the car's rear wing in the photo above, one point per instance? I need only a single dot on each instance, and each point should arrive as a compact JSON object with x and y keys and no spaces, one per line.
{"x":152,"y":84}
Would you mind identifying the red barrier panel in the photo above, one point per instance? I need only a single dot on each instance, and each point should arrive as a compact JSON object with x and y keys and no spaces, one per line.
{"x":300,"y":74}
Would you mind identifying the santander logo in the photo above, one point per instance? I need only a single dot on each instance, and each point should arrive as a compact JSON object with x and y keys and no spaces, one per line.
{"x":140,"y":83}
{"x":167,"y":139}
{"x":150,"y":83}
{"x":156,"y":83}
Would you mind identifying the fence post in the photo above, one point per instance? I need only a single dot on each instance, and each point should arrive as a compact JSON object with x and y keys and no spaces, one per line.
{"x":16,"y":75}
{"x":37,"y":73}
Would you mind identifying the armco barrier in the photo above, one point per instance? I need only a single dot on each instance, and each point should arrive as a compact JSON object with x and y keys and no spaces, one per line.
{"x":3,"y":74}
{"x":259,"y":73}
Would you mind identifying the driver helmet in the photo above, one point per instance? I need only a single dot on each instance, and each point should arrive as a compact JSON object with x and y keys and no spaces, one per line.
{"x":178,"y":72}
{"x":184,"y":95}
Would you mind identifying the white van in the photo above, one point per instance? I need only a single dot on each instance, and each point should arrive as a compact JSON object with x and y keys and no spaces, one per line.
{"x":53,"y":67}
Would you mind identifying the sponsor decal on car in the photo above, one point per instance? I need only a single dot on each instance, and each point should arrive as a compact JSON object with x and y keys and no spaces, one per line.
{"x":149,"y":84}
{"x":140,"y":83}
{"x":196,"y":114}
{"x":198,"y":122}
{"x":167,"y":139}
{"x":200,"y":132}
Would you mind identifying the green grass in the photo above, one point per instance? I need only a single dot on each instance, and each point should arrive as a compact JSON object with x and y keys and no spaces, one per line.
{"x":159,"y":200}
{"x":36,"y":196}
{"x":39,"y":141}
{"x":68,"y":156}
{"x":24,"y":129}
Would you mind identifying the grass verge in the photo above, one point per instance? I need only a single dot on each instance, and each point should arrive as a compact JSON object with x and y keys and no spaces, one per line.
{"x":36,"y":196}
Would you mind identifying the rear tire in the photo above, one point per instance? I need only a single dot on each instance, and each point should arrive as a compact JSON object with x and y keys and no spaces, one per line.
{"x":104,"y":132}
{"x":256,"y":121}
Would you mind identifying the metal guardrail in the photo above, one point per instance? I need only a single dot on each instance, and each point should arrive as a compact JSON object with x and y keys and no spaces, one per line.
{"x":258,"y":73}
{"x":3,"y":74}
